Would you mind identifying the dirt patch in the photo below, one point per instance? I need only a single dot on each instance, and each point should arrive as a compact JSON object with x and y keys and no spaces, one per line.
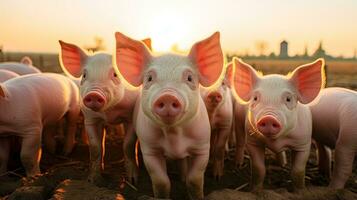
{"x":66,"y":177}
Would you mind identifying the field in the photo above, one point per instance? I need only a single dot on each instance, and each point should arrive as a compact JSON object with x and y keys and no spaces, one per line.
{"x":65,"y":177}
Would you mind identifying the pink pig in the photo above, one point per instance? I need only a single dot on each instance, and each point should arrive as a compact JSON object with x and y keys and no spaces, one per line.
{"x":334,"y":125}
{"x":276,"y":115}
{"x":31,"y":104}
{"x":22,"y":68}
{"x":170,"y":117}
{"x":219,"y":106}
{"x":6,"y":75}
{"x":105,"y":101}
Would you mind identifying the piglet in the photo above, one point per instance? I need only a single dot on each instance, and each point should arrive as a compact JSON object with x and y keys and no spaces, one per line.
{"x":6,"y":75}
{"x":22,"y":68}
{"x":29,"y":104}
{"x":219,"y":106}
{"x":105,"y":100}
{"x":170,"y":117}
{"x":334,"y":126}
{"x":276,"y":114}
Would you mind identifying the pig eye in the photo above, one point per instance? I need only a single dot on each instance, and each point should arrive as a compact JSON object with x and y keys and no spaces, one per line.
{"x":255,"y":98}
{"x":149,"y":78}
{"x":84,"y":74}
{"x":288,"y":99}
{"x":189,"y":78}
{"x":115,"y":74}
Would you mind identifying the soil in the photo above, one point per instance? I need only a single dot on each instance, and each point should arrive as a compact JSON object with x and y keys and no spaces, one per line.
{"x":65,"y":178}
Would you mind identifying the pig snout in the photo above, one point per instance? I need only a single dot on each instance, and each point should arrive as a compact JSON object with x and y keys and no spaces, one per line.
{"x":168,"y":107}
{"x":268,"y":126}
{"x":94,"y":101}
{"x":215,"y":97}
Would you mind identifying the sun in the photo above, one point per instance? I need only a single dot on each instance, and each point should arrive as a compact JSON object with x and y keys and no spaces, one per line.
{"x":167,"y":31}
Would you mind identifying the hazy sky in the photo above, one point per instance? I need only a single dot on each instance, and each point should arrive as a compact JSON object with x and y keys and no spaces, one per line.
{"x":38,"y":25}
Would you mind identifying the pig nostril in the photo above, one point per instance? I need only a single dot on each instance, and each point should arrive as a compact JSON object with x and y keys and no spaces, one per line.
{"x":262,"y":124}
{"x":275,"y":125}
{"x":175,"y":105}
{"x":161,"y":105}
{"x":100,"y":100}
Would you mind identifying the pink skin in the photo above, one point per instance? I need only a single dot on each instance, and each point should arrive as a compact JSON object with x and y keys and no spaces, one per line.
{"x":219,"y":106}
{"x":170,"y":117}
{"x":22,"y":68}
{"x":276,"y":115}
{"x":105,"y":101}
{"x":6,"y":75}
{"x":334,"y":126}
{"x":49,"y":98}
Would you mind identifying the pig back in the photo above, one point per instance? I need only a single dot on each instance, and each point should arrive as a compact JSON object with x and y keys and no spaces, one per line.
{"x":334,"y":107}
{"x":19,"y":68}
{"x":46,"y":97}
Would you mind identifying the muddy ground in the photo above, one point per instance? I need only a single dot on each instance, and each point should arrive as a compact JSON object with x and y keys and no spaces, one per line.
{"x":65,"y":178}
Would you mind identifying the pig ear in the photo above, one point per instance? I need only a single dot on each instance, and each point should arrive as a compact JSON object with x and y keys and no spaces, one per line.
{"x":2,"y":91}
{"x":131,"y":58}
{"x":26,"y":60}
{"x":72,"y":59}
{"x":207,"y":55}
{"x":229,"y":74}
{"x":147,"y":42}
{"x":244,"y":79}
{"x":309,"y":79}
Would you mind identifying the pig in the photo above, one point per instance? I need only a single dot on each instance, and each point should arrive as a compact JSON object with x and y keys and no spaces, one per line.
{"x":334,"y":126}
{"x":105,"y":101}
{"x":277,"y":116}
{"x":170,"y":117}
{"x":219,"y":106}
{"x":48,"y":98}
{"x":6,"y":75}
{"x":22,"y":68}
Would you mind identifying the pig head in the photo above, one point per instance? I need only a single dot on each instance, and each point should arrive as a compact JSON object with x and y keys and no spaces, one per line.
{"x":277,"y":116}
{"x":170,"y":119}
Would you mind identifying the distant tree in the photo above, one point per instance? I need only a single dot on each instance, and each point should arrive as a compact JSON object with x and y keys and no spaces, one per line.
{"x":261,"y":46}
{"x":98,"y":45}
{"x":272,"y":55}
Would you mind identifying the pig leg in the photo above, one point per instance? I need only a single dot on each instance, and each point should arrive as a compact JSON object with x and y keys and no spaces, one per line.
{"x":344,"y":155}
{"x":96,"y":138}
{"x":299,"y":160}
{"x":195,"y":175}
{"x":240,"y":137}
{"x":49,"y":139}
{"x":70,"y":139}
{"x":218,"y":162}
{"x":4,"y":154}
{"x":129,"y":146}
{"x":258,"y":165}
{"x":281,"y":156}
{"x":31,"y":153}
{"x":156,"y":167}
{"x":324,"y":159}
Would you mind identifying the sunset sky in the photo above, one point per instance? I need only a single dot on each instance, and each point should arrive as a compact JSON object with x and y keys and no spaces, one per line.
{"x":37,"y":26}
